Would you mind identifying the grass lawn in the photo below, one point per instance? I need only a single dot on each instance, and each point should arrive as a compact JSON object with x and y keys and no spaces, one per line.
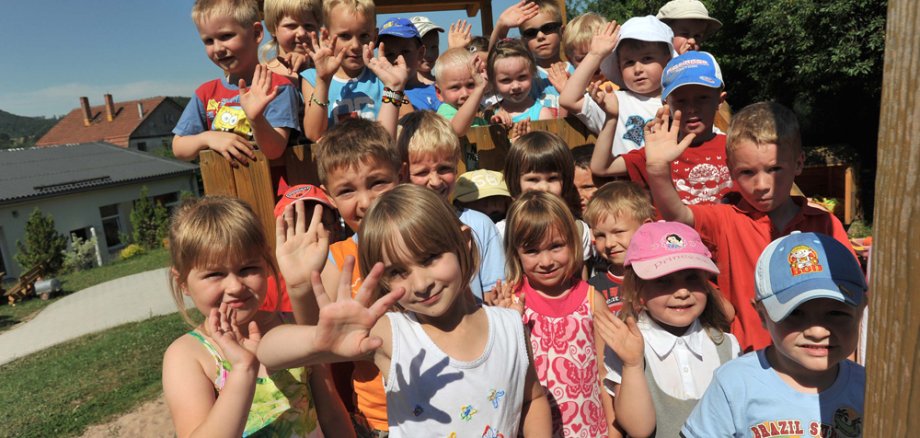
{"x":64,"y":389}
{"x":24,"y":310}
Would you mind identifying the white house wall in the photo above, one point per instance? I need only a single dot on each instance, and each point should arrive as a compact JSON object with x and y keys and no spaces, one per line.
{"x":79,"y":210}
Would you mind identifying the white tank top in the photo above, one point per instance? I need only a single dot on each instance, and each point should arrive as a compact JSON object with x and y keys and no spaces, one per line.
{"x":635,"y":112}
{"x":431,"y":394}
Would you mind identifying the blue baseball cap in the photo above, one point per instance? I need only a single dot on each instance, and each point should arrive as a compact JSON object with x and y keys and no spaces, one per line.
{"x":691,"y":68}
{"x":805,"y":266}
{"x":399,"y":27}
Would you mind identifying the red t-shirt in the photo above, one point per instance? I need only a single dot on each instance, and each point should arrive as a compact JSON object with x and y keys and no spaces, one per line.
{"x":700,"y":175}
{"x":737,"y":234}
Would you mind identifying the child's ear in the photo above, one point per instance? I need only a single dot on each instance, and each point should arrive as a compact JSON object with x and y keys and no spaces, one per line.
{"x":183,"y":287}
{"x":799,"y":163}
{"x":258,"y":31}
{"x":437,"y":92}
{"x":404,"y":172}
{"x":722,"y":97}
{"x":761,"y":312}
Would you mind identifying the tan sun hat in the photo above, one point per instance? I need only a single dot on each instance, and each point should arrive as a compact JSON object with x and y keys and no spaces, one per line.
{"x":689,"y":10}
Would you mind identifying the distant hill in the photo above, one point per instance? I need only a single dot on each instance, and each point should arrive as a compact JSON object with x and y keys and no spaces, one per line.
{"x":20,"y":131}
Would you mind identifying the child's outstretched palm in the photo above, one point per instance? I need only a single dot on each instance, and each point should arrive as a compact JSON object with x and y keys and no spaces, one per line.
{"x":239,"y":349}
{"x":345,"y":325}
{"x":503,"y":296}
{"x":325,"y":58}
{"x":624,"y":338}
{"x":605,"y":39}
{"x":255,"y":98}
{"x":604,"y":98}
{"x":301,"y":250}
{"x":661,"y":146}
{"x":459,"y":35}
{"x":393,"y":75}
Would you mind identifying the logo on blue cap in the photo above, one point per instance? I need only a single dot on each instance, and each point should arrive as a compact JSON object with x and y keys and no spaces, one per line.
{"x":691,"y":68}
{"x":400,"y":28}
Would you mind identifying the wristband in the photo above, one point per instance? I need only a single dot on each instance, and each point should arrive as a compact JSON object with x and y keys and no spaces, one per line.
{"x":314,"y":100}
{"x":392,"y":96}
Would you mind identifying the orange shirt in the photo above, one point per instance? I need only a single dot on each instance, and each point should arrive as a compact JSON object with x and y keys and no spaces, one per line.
{"x":737,"y":234}
{"x":368,"y":383}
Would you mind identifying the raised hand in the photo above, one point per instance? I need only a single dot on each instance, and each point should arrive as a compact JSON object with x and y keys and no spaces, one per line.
{"x":326,"y":59}
{"x":501,"y":117}
{"x":300,"y":249}
{"x":518,"y":14}
{"x":558,"y":76}
{"x":604,"y":98}
{"x":503,"y":296}
{"x":661,"y":146}
{"x":480,"y":78}
{"x":393,"y":75}
{"x":518,"y":129}
{"x":259,"y":94}
{"x":237,"y":150}
{"x":295,"y":62}
{"x":238,"y":348}
{"x":344,"y":325}
{"x":624,"y":338}
{"x":605,"y":39}
{"x":459,"y":34}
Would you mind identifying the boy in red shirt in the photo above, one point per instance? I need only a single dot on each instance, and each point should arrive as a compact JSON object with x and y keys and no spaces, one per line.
{"x":764,"y":155}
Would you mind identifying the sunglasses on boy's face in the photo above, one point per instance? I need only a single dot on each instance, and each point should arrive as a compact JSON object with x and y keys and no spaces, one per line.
{"x":546,"y":28}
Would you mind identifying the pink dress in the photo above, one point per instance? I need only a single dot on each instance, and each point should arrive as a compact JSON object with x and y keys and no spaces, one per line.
{"x":562,"y":339}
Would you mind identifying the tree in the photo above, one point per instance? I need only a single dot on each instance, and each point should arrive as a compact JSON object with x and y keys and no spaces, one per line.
{"x":149,"y":220}
{"x":43,"y":244}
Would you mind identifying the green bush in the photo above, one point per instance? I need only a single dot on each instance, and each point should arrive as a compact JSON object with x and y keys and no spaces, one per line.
{"x":43,"y":244}
{"x":149,"y":220}
{"x":80,"y":256}
{"x":130,"y":251}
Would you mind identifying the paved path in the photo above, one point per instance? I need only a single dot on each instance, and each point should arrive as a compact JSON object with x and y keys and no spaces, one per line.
{"x":100,"y":307}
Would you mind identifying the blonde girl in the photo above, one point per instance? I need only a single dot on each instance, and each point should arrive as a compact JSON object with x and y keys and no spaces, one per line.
{"x":511,"y":70}
{"x":543,"y":264}
{"x":213,"y":383}
{"x":661,"y":359}
{"x":450,"y":366}
{"x":290,"y":23}
{"x":541,"y":161}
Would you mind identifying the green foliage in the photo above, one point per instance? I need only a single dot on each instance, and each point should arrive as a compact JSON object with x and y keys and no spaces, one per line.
{"x":616,"y":10}
{"x":149,"y":221}
{"x":18,"y":131}
{"x":43,"y":244}
{"x":80,"y":256}
{"x":130,"y":251}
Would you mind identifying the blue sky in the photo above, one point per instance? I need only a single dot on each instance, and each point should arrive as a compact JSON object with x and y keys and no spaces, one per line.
{"x":55,"y":51}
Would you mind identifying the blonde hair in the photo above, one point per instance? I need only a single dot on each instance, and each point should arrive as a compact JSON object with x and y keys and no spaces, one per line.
{"x":713,"y":318}
{"x":427,"y":133}
{"x":455,"y":58}
{"x":509,"y":49}
{"x":550,"y":7}
{"x":617,"y":198}
{"x":354,"y":141}
{"x":533,"y":217}
{"x":244,"y":12}
{"x":541,"y":151}
{"x":580,"y":31}
{"x":364,"y":7}
{"x":276,"y":10}
{"x":408,"y":225}
{"x":207,"y":231}
{"x":765,"y":123}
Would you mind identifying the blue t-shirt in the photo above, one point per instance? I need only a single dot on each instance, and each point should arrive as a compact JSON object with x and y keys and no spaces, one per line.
{"x":491,"y":254}
{"x":544,"y":91}
{"x":423,"y":97}
{"x":216,"y":107}
{"x":532,"y":113}
{"x":348,"y":98}
{"x":748,"y":399}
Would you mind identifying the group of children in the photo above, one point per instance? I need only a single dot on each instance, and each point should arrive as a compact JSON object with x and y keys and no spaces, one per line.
{"x":698,"y":298}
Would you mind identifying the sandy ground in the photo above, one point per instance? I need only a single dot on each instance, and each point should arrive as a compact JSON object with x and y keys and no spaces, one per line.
{"x":149,"y":420}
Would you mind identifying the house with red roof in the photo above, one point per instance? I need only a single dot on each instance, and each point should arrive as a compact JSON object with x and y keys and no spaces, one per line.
{"x":143,"y":124}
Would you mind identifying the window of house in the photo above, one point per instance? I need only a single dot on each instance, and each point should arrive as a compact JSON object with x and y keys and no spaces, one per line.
{"x":142,"y":146}
{"x":111,"y":225}
{"x":168,"y":200}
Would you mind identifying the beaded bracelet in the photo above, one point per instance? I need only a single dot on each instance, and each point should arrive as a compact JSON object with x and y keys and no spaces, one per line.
{"x":313,"y":99}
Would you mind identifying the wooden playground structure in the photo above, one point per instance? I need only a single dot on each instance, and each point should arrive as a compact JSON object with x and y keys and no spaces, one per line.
{"x":893,"y":391}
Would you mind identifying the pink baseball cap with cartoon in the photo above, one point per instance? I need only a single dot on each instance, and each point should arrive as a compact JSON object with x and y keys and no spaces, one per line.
{"x":660,"y":248}
{"x":306,"y":192}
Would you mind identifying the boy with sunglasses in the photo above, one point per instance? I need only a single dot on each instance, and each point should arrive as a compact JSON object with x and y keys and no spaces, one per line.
{"x":540,"y":24}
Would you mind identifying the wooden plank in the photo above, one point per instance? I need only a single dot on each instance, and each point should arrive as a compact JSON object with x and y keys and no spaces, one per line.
{"x":254,"y":185}
{"x":408,"y":6}
{"x":300,"y":165}
{"x":216,"y":174}
{"x":893,"y":358}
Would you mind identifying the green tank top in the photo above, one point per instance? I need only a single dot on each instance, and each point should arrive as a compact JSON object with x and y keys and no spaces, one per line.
{"x":282,"y":405}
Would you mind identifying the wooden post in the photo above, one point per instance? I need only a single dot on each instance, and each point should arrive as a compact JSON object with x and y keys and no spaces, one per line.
{"x":893,"y":383}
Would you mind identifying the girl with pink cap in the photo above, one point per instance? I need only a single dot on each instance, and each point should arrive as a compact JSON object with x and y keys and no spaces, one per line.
{"x":661,"y":359}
